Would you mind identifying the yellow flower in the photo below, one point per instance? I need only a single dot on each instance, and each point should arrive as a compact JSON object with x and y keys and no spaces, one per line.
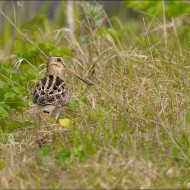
{"x":64,"y":122}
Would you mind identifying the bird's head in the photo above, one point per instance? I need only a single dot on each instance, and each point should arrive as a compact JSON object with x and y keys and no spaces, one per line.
{"x":56,"y":65}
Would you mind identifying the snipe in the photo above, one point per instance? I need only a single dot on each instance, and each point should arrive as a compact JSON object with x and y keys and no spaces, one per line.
{"x":51,"y":92}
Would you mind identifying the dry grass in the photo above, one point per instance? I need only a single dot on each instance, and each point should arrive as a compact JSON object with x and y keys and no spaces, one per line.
{"x":130,"y":130}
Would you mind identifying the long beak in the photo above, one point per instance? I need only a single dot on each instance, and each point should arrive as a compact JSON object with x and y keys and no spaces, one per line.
{"x":71,"y":72}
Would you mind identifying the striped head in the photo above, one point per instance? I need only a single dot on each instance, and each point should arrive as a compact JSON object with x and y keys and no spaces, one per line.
{"x":55,"y":66}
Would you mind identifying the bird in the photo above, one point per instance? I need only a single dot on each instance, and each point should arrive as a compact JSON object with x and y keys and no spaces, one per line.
{"x":51,"y":93}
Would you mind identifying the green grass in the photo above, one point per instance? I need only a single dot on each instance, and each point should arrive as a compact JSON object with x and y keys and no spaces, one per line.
{"x":129,"y":130}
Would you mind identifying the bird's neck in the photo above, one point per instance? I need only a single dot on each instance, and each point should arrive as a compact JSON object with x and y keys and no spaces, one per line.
{"x":54,"y":72}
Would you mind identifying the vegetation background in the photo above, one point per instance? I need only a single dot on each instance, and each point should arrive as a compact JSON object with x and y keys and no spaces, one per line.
{"x":131,"y":129}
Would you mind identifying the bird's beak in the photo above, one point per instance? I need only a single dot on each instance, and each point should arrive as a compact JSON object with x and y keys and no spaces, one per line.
{"x":71,"y":72}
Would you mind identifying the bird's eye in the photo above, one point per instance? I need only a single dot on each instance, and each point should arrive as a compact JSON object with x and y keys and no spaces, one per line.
{"x":59,"y":59}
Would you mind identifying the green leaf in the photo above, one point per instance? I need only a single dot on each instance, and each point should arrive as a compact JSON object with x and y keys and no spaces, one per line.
{"x":45,"y":150}
{"x":62,"y":155}
{"x":3,"y":112}
{"x":2,"y":84}
{"x":78,"y":152}
{"x":172,"y":7}
{"x":97,"y":113}
{"x":71,"y":104}
{"x":15,"y":102}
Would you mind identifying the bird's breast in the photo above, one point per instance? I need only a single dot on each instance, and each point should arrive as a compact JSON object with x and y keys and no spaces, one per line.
{"x":51,"y":90}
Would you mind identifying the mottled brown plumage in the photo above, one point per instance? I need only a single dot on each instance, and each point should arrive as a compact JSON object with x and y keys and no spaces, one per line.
{"x":51,"y":93}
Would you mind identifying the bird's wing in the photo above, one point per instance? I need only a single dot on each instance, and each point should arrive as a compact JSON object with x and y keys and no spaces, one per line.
{"x":51,"y":90}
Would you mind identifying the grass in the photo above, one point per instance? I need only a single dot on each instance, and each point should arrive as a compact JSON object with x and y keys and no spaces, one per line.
{"x":130,"y":130}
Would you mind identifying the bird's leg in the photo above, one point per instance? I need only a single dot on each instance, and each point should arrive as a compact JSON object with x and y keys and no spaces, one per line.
{"x":57,"y":112}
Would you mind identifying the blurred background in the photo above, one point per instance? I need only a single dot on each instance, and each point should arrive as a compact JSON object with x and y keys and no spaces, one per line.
{"x":126,"y":17}
{"x":52,"y":9}
{"x":122,"y":14}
